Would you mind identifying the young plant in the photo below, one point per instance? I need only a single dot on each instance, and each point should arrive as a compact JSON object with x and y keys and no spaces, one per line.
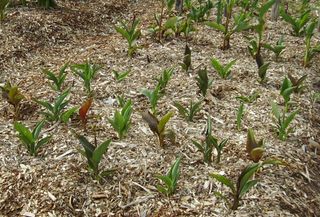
{"x":119,"y":76}
{"x":199,"y":12}
{"x":83,"y":111}
{"x":121,"y":100}
{"x":131,"y":33}
{"x":297,"y":83}
{"x":240,"y":114}
{"x":186,"y":64}
{"x":255,"y":149}
{"x":286,"y":91}
{"x":223,"y":70}
{"x":310,"y":51}
{"x":164,"y":79}
{"x":55,"y":111}
{"x":57,"y":80}
{"x":298,"y":24}
{"x":262,"y":72}
{"x":203,"y":81}
{"x":206,"y":147}
{"x":243,"y":184}
{"x":30,"y":139}
{"x":277,"y":49}
{"x":158,"y":127}
{"x":121,"y":120}
{"x":170,"y":180}
{"x":239,"y":23}
{"x":248,"y":99}
{"x":283,"y":120}
{"x":13,"y":97}
{"x":47,"y":3}
{"x":190,"y":112}
{"x":153,"y":97}
{"x":3,"y":8}
{"x":94,"y":154}
{"x":86,"y":72}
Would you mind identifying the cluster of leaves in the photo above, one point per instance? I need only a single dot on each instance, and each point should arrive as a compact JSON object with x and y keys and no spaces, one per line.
{"x":164,"y":79}
{"x":310,"y":50}
{"x":277,"y":49}
{"x":190,"y":112}
{"x":223,"y":70}
{"x":170,"y":180}
{"x":30,"y":139}
{"x":12,"y":94}
{"x":120,"y":76}
{"x":57,"y":80}
{"x":244,"y":182}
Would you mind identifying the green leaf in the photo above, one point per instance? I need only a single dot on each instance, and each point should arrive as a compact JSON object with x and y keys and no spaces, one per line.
{"x":65,"y":116}
{"x":198,"y":145}
{"x":275,"y":110}
{"x":289,"y":119}
{"x":88,"y":147}
{"x":224,"y":180}
{"x":42,"y":142}
{"x":247,"y":187}
{"x":216,"y":26}
{"x":24,"y":133}
{"x":264,"y":9}
{"x":36,"y":131}
{"x":99,"y":151}
{"x":163,"y":121}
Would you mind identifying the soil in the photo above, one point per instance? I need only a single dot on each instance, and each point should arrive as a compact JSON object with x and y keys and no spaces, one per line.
{"x":57,"y":182}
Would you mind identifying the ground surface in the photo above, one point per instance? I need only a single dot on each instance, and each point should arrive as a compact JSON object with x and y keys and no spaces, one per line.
{"x":56,"y":183}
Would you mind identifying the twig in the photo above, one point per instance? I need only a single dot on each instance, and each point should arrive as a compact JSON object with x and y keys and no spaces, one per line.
{"x":144,"y":199}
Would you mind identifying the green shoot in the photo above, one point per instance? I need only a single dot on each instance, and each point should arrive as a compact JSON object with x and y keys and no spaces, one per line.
{"x":13,"y":97}
{"x":203,"y":81}
{"x":255,"y":149}
{"x":170,"y":180}
{"x":240,"y":114}
{"x":153,"y":97}
{"x":86,"y":72}
{"x":122,"y":120}
{"x":119,"y":76}
{"x":262,"y":72}
{"x":223,"y":70}
{"x":244,"y":182}
{"x":199,"y":12}
{"x":286,"y":91}
{"x":248,"y":99}
{"x":298,"y":24}
{"x":297,"y":83}
{"x":57,"y":81}
{"x":186,"y":64}
{"x":131,"y":33}
{"x":164,"y":79}
{"x":121,"y":100}
{"x":31,"y":139}
{"x":190,"y":112}
{"x":310,"y":51}
{"x":94,"y":154}
{"x":158,"y":127}
{"x":55,"y":111}
{"x":277,"y":49}
{"x":283,"y":121}
{"x":3,"y":9}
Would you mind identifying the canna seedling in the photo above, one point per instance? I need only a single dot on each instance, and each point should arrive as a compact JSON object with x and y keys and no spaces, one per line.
{"x":283,"y":121}
{"x":198,"y":13}
{"x":55,"y":111}
{"x":210,"y":142}
{"x":243,"y":184}
{"x":158,"y":127}
{"x":121,"y":100}
{"x":277,"y":49}
{"x":86,"y":72}
{"x":13,"y":96}
{"x":30,"y":139}
{"x":131,"y":32}
{"x":84,"y":109}
{"x":119,"y":76}
{"x":239,"y":23}
{"x":310,"y":51}
{"x":57,"y":81}
{"x":255,"y":149}
{"x":164,"y":79}
{"x":94,"y":154}
{"x":297,"y":83}
{"x":153,"y":97}
{"x":248,"y":99}
{"x":223,"y":70}
{"x":170,"y":180}
{"x":190,"y":112}
{"x":186,"y":64}
{"x":203,"y":82}
{"x":240,"y":114}
{"x":3,"y":9}
{"x":122,"y":120}
{"x":262,"y":72}
{"x":286,"y":91}
{"x":298,"y":24}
